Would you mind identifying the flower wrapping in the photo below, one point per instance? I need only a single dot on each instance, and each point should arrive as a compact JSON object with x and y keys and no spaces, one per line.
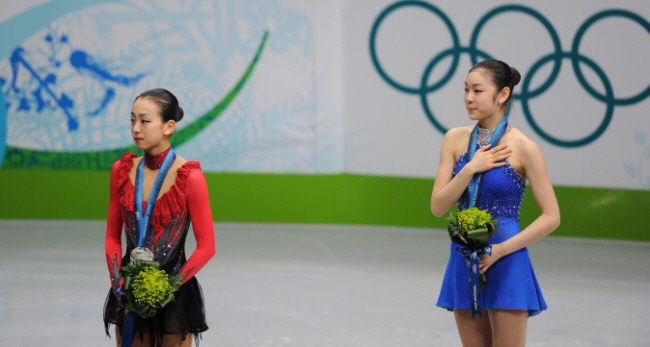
{"x":146,"y":288}
{"x":472,"y":228}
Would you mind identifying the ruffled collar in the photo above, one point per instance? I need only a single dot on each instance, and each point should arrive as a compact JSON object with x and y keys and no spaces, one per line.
{"x":175,"y":194}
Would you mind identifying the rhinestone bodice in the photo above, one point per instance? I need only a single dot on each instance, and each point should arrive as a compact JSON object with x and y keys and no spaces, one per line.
{"x":501,"y":194}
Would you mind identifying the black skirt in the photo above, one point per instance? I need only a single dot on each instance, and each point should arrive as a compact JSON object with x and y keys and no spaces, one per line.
{"x":185,"y":315}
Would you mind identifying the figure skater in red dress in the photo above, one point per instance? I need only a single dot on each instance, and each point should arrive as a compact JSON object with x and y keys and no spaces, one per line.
{"x":183,"y":198}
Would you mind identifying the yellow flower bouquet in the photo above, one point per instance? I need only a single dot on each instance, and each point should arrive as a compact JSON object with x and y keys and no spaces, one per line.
{"x":146,"y":288}
{"x":472,"y":228}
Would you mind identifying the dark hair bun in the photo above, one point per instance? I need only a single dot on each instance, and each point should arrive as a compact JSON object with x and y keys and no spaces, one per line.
{"x":516,"y":77}
{"x":501,"y":74}
{"x":181,"y":113}
{"x":166,"y":101}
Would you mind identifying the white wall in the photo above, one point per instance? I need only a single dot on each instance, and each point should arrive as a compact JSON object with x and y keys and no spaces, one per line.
{"x":387,"y":131}
{"x":316,"y":103}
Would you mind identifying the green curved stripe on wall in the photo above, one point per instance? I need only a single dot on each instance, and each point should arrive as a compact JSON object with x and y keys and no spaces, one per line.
{"x":22,"y":158}
{"x":195,"y":127}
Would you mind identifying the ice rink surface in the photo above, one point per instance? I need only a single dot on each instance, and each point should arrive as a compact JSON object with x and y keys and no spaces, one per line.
{"x":278,"y":285}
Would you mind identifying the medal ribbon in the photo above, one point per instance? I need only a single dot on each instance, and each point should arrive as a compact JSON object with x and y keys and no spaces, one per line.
{"x":142,"y":227}
{"x":474,"y":187}
{"x":144,"y":221}
{"x":477,"y":179}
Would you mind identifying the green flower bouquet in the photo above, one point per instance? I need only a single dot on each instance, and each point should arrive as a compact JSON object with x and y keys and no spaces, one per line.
{"x":147,"y":288}
{"x":472,"y":228}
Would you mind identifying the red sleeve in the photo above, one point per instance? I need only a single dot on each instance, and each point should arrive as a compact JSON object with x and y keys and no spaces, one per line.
{"x":196,"y":194}
{"x":113,"y":242}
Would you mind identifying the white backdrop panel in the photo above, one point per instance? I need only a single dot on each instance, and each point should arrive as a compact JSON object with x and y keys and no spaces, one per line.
{"x":387,"y":130}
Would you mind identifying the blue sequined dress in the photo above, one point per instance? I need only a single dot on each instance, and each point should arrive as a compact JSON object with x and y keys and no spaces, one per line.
{"x":511,"y":281}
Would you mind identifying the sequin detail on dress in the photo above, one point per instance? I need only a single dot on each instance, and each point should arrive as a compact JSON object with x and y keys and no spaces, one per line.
{"x":484,"y":136}
{"x":502,"y":192}
{"x":154,"y":162}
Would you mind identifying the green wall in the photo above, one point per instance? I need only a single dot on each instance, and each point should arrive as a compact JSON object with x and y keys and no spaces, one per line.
{"x":333,"y":199}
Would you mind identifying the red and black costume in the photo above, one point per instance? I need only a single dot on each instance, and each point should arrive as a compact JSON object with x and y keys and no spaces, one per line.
{"x":186,"y":201}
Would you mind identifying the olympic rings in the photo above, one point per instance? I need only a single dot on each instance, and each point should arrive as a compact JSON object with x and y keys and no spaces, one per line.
{"x":576,"y":44}
{"x":527,"y":10}
{"x":423,"y":91}
{"x":609,"y":99}
{"x":452,"y":31}
{"x":525,"y":95}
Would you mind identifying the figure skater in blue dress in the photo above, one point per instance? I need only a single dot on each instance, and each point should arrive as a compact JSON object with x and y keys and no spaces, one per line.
{"x":512,"y":293}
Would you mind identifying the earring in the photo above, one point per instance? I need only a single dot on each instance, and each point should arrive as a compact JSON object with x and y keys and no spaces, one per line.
{"x":499,"y":102}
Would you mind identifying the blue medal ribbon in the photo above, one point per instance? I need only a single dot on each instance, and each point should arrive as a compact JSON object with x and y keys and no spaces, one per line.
{"x":474,"y":187}
{"x":477,"y":179}
{"x":143,"y":223}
